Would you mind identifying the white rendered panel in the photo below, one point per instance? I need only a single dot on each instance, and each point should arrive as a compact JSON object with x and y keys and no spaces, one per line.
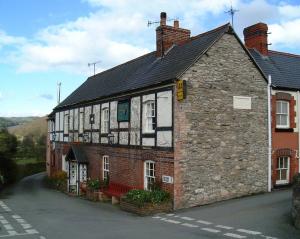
{"x":164,"y":138}
{"x":164,"y":109}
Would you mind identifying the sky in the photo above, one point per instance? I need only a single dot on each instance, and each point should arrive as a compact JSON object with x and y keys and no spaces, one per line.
{"x":50,"y":41}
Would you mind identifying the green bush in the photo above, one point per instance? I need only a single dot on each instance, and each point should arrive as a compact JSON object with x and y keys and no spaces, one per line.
{"x":30,"y":169}
{"x":58,"y":180}
{"x":140,"y":197}
{"x":296,"y":179}
{"x":93,"y":184}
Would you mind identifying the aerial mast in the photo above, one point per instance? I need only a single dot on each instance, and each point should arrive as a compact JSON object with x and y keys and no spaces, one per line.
{"x":231,"y":12}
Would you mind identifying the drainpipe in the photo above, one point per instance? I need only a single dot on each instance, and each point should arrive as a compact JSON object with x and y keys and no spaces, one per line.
{"x":270,"y":136}
{"x":298,"y":126}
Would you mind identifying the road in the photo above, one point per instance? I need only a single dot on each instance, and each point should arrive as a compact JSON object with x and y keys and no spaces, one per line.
{"x":29,"y":210}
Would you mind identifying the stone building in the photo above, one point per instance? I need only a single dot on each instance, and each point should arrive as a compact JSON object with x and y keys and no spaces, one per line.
{"x":284,"y":69}
{"x":190,"y":116}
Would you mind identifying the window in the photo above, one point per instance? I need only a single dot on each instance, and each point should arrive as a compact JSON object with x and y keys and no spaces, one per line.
{"x":123,"y":111}
{"x":282,"y":176}
{"x":105,"y":168}
{"x":105,"y":120}
{"x":149,"y":172}
{"x":282,"y":114}
{"x":150,"y":124}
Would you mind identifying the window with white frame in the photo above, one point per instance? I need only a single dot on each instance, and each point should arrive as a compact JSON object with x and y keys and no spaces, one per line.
{"x":105,"y":120}
{"x":149,"y":111}
{"x":282,"y":114}
{"x":282,"y":176}
{"x":105,"y":167}
{"x":149,"y":175}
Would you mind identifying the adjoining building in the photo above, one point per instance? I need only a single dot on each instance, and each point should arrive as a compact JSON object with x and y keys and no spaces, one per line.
{"x":284,"y":69}
{"x":190,"y":116}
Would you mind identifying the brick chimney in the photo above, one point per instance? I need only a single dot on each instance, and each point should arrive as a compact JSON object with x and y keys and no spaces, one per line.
{"x":256,"y":36}
{"x":166,"y":36}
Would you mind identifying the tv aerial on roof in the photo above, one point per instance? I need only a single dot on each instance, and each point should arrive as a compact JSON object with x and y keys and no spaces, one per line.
{"x":150,"y":23}
{"x":94,"y":64}
{"x":231,"y":12}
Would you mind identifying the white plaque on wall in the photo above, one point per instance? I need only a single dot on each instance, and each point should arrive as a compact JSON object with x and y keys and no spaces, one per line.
{"x":242,"y":102}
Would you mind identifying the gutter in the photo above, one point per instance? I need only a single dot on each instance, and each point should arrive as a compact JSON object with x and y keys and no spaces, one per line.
{"x":269,"y":136}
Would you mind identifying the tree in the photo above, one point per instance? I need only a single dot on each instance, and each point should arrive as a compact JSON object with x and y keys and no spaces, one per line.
{"x":8,"y":148}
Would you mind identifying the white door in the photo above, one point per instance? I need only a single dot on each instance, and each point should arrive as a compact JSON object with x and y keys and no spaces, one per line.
{"x":283,"y":170}
{"x":73,"y":173}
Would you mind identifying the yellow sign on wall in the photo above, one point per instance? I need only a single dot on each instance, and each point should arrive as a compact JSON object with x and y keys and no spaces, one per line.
{"x":181,"y":89}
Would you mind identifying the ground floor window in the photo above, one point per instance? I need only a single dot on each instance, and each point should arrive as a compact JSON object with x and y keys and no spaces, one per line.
{"x":149,"y":172}
{"x":283,"y":164}
{"x":105,"y":168}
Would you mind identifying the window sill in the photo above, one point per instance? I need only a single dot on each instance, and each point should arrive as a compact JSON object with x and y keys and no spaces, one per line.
{"x":284,"y":130}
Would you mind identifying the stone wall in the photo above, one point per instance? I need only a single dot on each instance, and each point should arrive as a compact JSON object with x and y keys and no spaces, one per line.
{"x":220,"y":152}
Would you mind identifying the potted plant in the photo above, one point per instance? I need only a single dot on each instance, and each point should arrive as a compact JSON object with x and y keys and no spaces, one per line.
{"x":92,"y":189}
{"x":58,"y":181}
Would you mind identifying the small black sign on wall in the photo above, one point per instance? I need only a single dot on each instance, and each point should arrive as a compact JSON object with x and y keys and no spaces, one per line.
{"x":123,"y":111}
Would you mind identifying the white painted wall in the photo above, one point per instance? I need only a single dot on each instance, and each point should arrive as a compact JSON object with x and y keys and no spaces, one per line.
{"x":164,"y":138}
{"x":96,"y":111}
{"x":113,"y":115}
{"x":76,"y":115}
{"x":123,"y":138}
{"x":80,"y":121}
{"x":148,"y":142}
{"x":164,"y":109}
{"x":87,"y":113}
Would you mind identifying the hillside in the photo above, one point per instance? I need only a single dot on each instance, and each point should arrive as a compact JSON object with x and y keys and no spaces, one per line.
{"x":36,"y":127}
{"x":6,"y":122}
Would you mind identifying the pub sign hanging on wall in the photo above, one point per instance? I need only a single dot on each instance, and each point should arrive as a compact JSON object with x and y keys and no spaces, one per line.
{"x":181,"y":90}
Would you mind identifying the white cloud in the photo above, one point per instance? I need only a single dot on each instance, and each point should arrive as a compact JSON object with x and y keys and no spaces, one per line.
{"x":5,"y":39}
{"x":116,"y":31}
{"x":290,"y":11}
{"x":285,"y":34}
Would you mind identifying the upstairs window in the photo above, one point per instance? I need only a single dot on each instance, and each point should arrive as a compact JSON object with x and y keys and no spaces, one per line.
{"x":282,"y":114}
{"x":149,"y":173}
{"x":105,"y":168}
{"x":149,"y":109}
{"x":105,"y":120}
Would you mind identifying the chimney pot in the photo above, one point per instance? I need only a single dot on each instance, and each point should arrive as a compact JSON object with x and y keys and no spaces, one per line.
{"x":176,"y":24}
{"x":167,"y":36}
{"x":163,"y":18}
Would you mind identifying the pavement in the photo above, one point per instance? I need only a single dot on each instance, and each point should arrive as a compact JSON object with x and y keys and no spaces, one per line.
{"x":29,"y":210}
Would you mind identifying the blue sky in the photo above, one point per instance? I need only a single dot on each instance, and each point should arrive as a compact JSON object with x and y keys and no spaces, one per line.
{"x":44,"y":42}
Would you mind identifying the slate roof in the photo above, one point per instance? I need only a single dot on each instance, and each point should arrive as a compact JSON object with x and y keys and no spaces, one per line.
{"x":145,"y":71}
{"x":76,"y":152}
{"x":284,"y":68}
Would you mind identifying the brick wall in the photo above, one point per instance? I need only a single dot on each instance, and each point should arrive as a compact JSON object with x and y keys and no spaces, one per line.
{"x":220,"y":152}
{"x":284,"y":142}
{"x":126,"y":164}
